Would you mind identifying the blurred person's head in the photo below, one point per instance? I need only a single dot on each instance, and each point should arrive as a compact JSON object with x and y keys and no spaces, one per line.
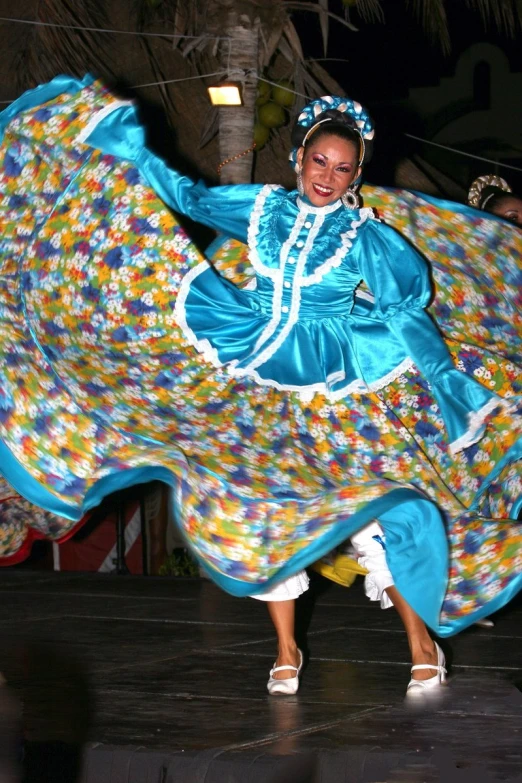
{"x":492,"y":194}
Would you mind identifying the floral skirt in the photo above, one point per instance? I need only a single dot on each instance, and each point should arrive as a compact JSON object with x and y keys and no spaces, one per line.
{"x":99,"y":389}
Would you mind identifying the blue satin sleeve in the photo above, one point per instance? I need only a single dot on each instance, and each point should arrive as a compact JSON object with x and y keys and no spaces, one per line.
{"x":226,"y":208}
{"x":395,"y":273}
{"x":399,"y":279}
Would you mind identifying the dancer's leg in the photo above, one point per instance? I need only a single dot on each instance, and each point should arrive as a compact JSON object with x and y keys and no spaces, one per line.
{"x":369,"y":545}
{"x":281,"y":607}
{"x":421,"y":644}
{"x":282,"y":614}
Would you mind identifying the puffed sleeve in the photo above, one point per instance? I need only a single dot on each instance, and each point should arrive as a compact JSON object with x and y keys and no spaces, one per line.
{"x":399,"y":279}
{"x":226,"y":208}
{"x":395,"y":273}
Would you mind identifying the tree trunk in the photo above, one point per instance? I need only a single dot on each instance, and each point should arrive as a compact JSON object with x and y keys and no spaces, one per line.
{"x":236,"y":123}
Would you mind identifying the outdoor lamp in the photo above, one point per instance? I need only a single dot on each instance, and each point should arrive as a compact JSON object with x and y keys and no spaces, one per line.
{"x":226,"y":94}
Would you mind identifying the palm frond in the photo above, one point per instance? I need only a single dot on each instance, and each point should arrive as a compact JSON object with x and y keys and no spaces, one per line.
{"x":63,"y":49}
{"x":312,"y":86}
{"x":324,"y":21}
{"x":159,"y":76}
{"x":305,"y":5}
{"x":290,"y":34}
{"x":286,"y":50}
{"x":210,"y":126}
{"x":194,"y":43}
{"x":432,"y":15}
{"x":299,"y":86}
{"x":506,"y":14}
{"x":370,"y":10}
{"x":270,"y":42}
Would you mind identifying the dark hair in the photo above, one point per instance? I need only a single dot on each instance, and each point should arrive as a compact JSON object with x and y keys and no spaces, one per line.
{"x":341,"y":125}
{"x":492,"y":197}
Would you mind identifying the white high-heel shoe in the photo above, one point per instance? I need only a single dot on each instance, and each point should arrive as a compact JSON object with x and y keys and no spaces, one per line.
{"x":286,"y":687}
{"x":426,"y":688}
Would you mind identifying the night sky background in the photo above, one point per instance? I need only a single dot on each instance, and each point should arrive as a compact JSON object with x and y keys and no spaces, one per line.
{"x":385,"y":60}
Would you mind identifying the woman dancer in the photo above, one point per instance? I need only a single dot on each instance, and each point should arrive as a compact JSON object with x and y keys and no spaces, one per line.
{"x":287,"y":418}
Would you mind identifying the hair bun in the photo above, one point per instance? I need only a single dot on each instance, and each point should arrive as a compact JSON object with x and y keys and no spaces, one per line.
{"x":485,"y":186}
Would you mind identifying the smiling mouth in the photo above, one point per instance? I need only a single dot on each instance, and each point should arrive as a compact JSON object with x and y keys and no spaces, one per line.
{"x":322,"y":191}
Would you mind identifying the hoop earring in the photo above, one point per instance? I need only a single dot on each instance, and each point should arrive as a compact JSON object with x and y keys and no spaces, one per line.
{"x":300,"y":186}
{"x":351,"y":199}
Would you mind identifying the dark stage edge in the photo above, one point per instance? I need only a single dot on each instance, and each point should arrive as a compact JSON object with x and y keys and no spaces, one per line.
{"x":141,"y":680}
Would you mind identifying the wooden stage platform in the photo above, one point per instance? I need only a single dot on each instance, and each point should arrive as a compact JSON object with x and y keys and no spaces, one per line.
{"x":122,"y":679}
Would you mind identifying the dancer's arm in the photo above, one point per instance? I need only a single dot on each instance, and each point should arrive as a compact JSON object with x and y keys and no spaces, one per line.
{"x":226,"y":208}
{"x":399,"y":279}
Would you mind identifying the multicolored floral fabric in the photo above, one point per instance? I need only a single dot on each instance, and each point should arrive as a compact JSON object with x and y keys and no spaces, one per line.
{"x":100,"y":390}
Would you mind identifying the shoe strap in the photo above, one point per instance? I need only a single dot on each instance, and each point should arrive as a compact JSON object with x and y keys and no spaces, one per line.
{"x":427,"y":666}
{"x":283,"y":668}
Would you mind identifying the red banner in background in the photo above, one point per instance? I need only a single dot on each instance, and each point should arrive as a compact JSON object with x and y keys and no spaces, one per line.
{"x":95,"y":550}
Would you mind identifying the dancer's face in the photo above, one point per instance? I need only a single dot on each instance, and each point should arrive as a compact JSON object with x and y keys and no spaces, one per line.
{"x":328,"y":168}
{"x":510,"y":208}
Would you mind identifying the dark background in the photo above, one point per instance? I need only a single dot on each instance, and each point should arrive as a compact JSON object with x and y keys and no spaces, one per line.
{"x":384,"y":60}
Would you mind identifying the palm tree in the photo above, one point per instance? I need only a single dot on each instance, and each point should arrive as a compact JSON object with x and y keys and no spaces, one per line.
{"x":239,"y":39}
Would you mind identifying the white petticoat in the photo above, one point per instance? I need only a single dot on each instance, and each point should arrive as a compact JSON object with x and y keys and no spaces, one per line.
{"x":368,"y":545}
{"x":290,"y":588}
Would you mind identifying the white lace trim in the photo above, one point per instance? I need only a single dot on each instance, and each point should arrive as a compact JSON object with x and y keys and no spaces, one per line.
{"x":305,"y":392}
{"x":271,"y":327}
{"x":98,"y":117}
{"x":475,"y":424}
{"x":358,"y":386}
{"x":380,"y":383}
{"x":204,"y":347}
{"x":253,"y":231}
{"x":263,"y":349}
{"x":347,"y":238}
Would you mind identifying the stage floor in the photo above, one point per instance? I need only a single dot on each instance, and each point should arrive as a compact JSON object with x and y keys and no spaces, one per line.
{"x":162,"y":679}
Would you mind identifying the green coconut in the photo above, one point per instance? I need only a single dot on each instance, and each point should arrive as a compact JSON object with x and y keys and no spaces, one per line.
{"x":264,"y":91}
{"x":271,"y":115}
{"x":283,"y":94}
{"x":261,"y":134}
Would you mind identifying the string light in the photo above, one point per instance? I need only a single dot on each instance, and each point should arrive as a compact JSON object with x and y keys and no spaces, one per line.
{"x":235,"y":157}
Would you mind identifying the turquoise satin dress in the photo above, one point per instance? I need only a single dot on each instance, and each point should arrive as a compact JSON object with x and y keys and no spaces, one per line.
{"x":298,"y":329}
{"x":94,"y":396}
